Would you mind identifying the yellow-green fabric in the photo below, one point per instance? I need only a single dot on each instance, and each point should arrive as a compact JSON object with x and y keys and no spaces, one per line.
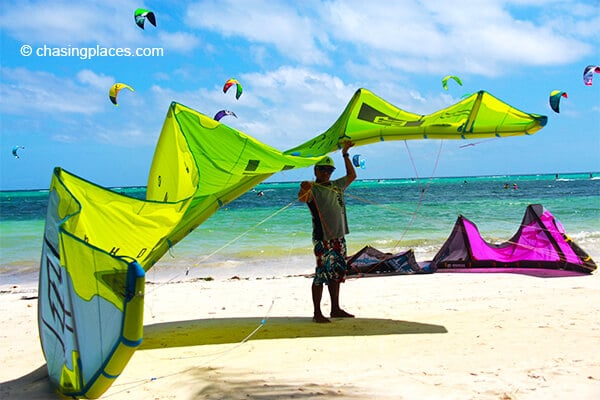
{"x":98,"y":243}
{"x":369,"y":119}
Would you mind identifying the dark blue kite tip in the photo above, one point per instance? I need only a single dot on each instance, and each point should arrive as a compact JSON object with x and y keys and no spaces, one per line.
{"x":543,"y":120}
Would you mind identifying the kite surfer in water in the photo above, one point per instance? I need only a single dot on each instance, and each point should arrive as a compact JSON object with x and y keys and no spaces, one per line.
{"x":325,"y":200}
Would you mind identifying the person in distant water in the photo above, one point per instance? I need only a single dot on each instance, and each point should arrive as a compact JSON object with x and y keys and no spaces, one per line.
{"x":325,"y":200}
{"x":515,"y":186}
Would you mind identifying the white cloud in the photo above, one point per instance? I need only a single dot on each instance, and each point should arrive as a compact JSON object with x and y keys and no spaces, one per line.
{"x":294,"y":35}
{"x":39,"y":91}
{"x":181,"y":42}
{"x":490,"y":38}
{"x":485,"y":39}
{"x":65,"y":22}
{"x":98,"y":81}
{"x":294,"y":104}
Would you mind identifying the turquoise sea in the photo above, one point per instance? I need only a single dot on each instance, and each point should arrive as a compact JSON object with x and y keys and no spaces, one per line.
{"x":272,"y":232}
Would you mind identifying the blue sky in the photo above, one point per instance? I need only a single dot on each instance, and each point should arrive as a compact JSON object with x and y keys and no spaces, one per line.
{"x":299,"y":63}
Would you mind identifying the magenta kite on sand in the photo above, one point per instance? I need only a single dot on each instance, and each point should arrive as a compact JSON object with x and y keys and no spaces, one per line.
{"x":540,"y":242}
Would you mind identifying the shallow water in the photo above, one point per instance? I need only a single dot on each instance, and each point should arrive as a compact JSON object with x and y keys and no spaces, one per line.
{"x":263,"y":233}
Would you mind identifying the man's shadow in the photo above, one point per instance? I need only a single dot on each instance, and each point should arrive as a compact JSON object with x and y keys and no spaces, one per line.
{"x":36,"y":384}
{"x":234,"y":330}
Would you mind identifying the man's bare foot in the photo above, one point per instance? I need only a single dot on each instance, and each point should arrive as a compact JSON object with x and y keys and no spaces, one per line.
{"x":320,"y":319}
{"x":341,"y":314}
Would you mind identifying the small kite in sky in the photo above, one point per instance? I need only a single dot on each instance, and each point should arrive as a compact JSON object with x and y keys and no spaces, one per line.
{"x":114,"y":91}
{"x":555,"y":96}
{"x":15,"y":151}
{"x":358,"y":161}
{"x":446,"y":78}
{"x":223,"y":113}
{"x":588,"y":74}
{"x":231,"y":82}
{"x":141,"y":15}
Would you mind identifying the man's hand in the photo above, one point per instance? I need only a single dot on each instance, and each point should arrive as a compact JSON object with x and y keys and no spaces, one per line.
{"x":347,"y":145}
{"x":305,"y":194}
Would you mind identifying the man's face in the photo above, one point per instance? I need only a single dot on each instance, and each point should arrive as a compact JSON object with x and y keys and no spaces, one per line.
{"x":323,"y":172}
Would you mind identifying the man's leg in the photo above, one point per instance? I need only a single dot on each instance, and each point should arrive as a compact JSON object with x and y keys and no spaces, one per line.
{"x":334,"y":293}
{"x":317,"y":293}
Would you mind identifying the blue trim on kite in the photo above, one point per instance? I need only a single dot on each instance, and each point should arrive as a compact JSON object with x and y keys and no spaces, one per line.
{"x":134,"y":271}
{"x":131,"y":343}
{"x":80,"y":368}
{"x":109,"y":376}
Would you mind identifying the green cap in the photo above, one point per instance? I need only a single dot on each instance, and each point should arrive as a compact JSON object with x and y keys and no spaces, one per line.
{"x":325,"y":161}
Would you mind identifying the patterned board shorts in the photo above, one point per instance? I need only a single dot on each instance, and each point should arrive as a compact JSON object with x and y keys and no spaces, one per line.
{"x":331,"y":261}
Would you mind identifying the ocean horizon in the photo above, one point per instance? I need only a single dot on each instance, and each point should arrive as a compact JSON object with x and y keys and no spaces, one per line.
{"x":554,"y":175}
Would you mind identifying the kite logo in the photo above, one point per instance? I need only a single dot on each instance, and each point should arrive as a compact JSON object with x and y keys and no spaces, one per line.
{"x":55,"y":300}
{"x":370,"y":114}
{"x":58,"y":320}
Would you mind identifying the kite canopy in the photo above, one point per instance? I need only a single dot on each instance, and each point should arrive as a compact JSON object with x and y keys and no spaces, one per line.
{"x":140,"y":15}
{"x":554,"y":99}
{"x":540,"y":242}
{"x":369,"y":119}
{"x":98,"y":243}
{"x":446,"y":78}
{"x":369,"y":261}
{"x":222,"y":113}
{"x":15,"y":151}
{"x":230,"y":82}
{"x":588,"y":74}
{"x":114,"y":91}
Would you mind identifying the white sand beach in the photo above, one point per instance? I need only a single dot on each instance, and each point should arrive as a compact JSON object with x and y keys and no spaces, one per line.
{"x":438,"y":336}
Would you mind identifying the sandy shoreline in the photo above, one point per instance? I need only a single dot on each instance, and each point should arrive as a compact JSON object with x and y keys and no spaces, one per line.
{"x":438,"y":336}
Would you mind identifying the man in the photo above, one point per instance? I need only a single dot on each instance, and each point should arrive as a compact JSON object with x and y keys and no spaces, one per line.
{"x":325,"y":200}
